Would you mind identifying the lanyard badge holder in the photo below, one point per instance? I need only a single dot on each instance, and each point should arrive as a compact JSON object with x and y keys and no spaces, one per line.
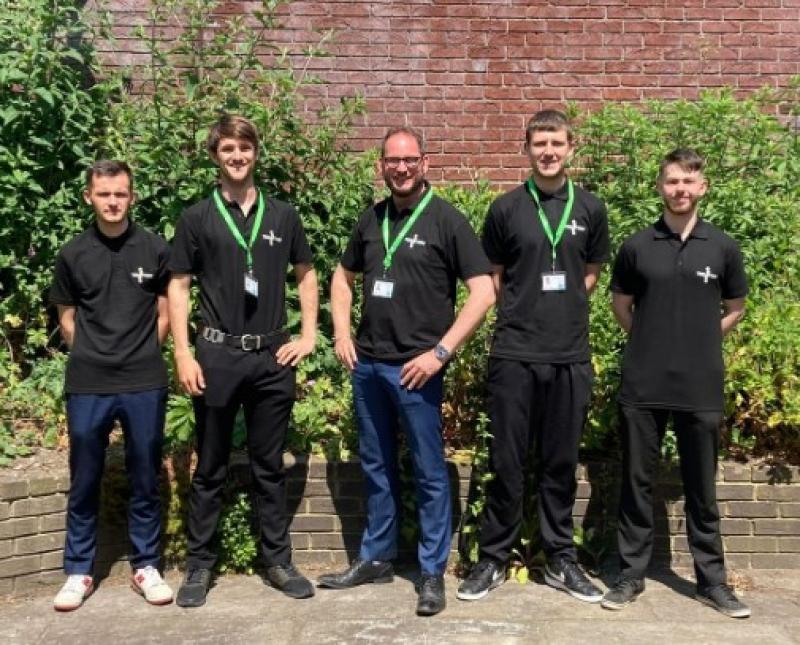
{"x":250,"y":280}
{"x":553,"y":281}
{"x":383,"y":287}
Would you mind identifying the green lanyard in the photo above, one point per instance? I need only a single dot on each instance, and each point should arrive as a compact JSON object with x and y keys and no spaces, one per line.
{"x":554,"y":239}
{"x":235,"y":229}
{"x":390,"y":249}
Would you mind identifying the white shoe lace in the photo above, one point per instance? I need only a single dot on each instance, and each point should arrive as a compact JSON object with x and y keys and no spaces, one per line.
{"x":75,"y":584}
{"x":151,"y":577}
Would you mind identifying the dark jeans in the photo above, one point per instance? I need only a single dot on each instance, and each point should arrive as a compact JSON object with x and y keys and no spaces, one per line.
{"x":543,"y":405}
{"x":255,"y":382}
{"x":698,"y":446}
{"x":90,"y":418}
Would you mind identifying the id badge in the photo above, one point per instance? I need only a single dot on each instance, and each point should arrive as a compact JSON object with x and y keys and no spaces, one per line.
{"x":554,"y":281}
{"x":250,"y":284}
{"x":382,"y":288}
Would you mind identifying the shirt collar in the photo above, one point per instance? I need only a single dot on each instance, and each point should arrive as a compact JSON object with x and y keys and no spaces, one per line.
{"x":410,"y":208}
{"x":127,"y":237}
{"x":663,"y":232}
{"x":561,"y":194}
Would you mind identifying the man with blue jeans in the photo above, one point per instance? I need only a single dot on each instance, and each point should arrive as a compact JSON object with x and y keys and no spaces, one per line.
{"x":411,"y":248}
{"x":109,"y":290}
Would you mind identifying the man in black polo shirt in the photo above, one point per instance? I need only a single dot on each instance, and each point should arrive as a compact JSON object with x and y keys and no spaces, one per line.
{"x":109,"y":289}
{"x":239,"y":242}
{"x":547,"y":240}
{"x":668,"y":283}
{"x":411,"y":248}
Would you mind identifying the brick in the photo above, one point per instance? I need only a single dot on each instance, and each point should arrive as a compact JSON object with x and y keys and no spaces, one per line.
{"x":6,"y":548}
{"x":779,"y":492}
{"x":16,"y":527}
{"x":12,"y":567}
{"x":334,"y":541}
{"x":735,"y":491}
{"x":314,"y":523}
{"x":37,"y":581}
{"x":777,"y":527}
{"x":53,"y":560}
{"x":680,"y":543}
{"x":5,"y":510}
{"x":43,"y":486}
{"x":318,"y":558}
{"x":39,"y":505}
{"x":790,"y":510}
{"x":340,"y":506}
{"x":53,"y":522}
{"x":748,"y":544}
{"x":739,"y":560}
{"x":730,"y":526}
{"x":13,"y":489}
{"x":39,"y":543}
{"x":300,"y":541}
{"x":775,"y":560}
{"x":6,"y":586}
{"x":789,"y":544}
{"x":752,"y":509}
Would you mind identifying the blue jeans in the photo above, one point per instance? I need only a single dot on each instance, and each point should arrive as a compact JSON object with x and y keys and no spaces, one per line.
{"x":90,"y":418}
{"x":382,"y":408}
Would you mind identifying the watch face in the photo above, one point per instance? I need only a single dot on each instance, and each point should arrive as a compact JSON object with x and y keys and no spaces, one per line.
{"x":440,"y":352}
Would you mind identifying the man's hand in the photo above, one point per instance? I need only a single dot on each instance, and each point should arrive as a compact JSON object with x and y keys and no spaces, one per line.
{"x":346,"y":352}
{"x":418,"y":370}
{"x":190,"y":374}
{"x":294,"y":351}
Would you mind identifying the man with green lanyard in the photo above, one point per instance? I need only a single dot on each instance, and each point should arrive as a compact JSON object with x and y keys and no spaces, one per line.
{"x":239,"y":243}
{"x":411,"y":248}
{"x":547,"y":240}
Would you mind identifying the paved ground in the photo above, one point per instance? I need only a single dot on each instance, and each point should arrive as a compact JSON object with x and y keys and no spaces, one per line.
{"x":241,"y":609}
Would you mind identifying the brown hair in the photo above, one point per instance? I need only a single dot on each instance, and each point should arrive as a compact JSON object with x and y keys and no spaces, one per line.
{"x":233,"y":126}
{"x":547,"y":121}
{"x":688,"y":159}
{"x":404,"y":129}
{"x":108,"y":168}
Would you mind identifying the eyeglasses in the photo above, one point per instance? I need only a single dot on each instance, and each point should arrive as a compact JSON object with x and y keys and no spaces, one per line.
{"x":394,"y":162}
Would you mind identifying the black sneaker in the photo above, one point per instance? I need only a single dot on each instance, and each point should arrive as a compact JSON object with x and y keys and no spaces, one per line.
{"x":194,"y":587}
{"x":485,"y":576}
{"x":565,"y":574}
{"x":431,"y":595}
{"x":722,"y":598}
{"x":290,"y":581}
{"x":622,"y":593}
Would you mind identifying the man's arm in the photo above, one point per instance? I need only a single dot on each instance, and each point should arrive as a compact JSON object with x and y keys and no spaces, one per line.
{"x":418,"y":370}
{"x":341,"y":303}
{"x":190,"y":375}
{"x":591,"y":276}
{"x":734,"y":312}
{"x":66,"y":320}
{"x":293,"y":352}
{"x":622,"y":306}
{"x":163,"y":319}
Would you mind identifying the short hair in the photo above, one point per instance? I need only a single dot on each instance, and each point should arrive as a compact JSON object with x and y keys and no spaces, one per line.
{"x":233,"y":126}
{"x":687,"y":158}
{"x":404,"y":129}
{"x":547,"y":121}
{"x":108,"y":168}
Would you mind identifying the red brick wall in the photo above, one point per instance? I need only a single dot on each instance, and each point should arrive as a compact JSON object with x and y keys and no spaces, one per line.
{"x":469,"y":72}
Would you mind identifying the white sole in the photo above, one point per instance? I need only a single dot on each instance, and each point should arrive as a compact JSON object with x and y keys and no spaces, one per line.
{"x":557,"y":584}
{"x":739,"y":613}
{"x":481,"y":594}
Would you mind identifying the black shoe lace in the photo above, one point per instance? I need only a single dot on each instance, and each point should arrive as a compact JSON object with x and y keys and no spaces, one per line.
{"x":623,"y":584}
{"x":726,"y":593}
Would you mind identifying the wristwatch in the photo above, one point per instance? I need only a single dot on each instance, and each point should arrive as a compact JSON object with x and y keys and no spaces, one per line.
{"x":441,"y":352}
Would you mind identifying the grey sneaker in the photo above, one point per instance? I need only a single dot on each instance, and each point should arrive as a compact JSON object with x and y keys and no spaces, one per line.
{"x":290,"y":581}
{"x":722,"y":598}
{"x":485,"y":576}
{"x":565,"y":574}
{"x":622,"y":593}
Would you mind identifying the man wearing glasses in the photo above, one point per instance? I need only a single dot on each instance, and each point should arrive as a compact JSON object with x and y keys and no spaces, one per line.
{"x":410,"y":248}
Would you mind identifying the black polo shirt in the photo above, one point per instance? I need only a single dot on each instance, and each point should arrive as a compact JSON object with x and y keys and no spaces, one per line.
{"x":534,"y":325}
{"x":204,"y":246}
{"x":440,"y":248}
{"x":114,"y":283}
{"x":673,"y":358}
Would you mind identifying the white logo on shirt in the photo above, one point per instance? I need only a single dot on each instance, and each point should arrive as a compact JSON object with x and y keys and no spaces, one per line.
{"x":574,"y":227}
{"x":272,"y":238}
{"x":140,"y":276}
{"x":412,"y":241}
{"x":706,"y":275}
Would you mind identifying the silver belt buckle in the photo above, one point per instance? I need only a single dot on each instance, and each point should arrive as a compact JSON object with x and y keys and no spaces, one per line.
{"x":213,"y":335}
{"x":247,"y":338}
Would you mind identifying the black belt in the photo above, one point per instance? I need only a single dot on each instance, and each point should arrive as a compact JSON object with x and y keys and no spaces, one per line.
{"x":245,"y":342}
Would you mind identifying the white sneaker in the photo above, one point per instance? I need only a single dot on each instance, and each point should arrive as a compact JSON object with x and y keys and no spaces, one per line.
{"x":151,"y":585}
{"x":76,"y":589}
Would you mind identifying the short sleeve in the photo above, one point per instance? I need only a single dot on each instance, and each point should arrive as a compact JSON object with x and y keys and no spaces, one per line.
{"x":734,"y":280}
{"x":468,"y":256}
{"x":163,"y":272}
{"x":63,"y":290}
{"x":623,"y":275}
{"x":353,"y":257}
{"x":184,"y":256}
{"x":492,"y":237}
{"x":300,"y":252}
{"x":599,"y":246}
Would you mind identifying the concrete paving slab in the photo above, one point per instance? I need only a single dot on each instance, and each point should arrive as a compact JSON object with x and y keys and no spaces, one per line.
{"x":241,"y":609}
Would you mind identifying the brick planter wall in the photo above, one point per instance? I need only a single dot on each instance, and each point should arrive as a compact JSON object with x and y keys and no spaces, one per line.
{"x":760,"y":506}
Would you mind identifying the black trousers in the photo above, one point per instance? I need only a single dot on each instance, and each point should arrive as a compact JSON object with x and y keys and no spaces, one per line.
{"x":698,"y":444}
{"x":266,"y":391}
{"x":545,"y":405}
